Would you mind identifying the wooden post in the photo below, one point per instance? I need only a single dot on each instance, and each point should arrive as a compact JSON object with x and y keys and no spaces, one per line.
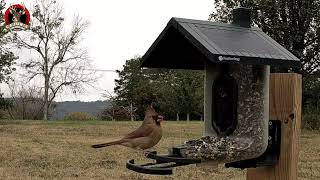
{"x":285,"y":105}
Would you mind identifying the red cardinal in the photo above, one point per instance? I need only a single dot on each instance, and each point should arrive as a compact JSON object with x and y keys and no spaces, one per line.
{"x":145,"y":137}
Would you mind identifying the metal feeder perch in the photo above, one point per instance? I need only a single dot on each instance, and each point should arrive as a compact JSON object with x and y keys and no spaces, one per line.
{"x":236,"y":58}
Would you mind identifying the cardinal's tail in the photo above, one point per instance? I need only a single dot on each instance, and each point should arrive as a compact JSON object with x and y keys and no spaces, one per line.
{"x":107,"y":144}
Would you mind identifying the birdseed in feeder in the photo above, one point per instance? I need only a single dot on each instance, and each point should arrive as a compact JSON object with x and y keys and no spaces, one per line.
{"x":249,"y":139}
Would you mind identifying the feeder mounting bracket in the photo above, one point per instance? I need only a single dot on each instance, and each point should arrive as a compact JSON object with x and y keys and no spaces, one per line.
{"x":163,"y":163}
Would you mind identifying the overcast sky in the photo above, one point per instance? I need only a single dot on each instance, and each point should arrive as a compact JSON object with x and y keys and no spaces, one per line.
{"x":122,"y":29}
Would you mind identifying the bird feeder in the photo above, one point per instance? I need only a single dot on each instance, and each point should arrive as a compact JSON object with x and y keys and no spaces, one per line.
{"x":236,"y":59}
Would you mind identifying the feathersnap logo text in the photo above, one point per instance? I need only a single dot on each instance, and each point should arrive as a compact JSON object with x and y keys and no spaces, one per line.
{"x":225,"y":58}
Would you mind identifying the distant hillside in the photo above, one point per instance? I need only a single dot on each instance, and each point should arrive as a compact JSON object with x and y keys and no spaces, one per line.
{"x":66,"y":107}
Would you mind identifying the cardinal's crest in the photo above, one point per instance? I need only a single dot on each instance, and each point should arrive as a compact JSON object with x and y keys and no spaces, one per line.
{"x":17,"y":17}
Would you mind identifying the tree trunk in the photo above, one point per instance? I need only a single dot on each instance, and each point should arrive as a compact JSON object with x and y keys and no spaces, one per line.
{"x":9,"y":112}
{"x":46,"y":95}
{"x":131,"y":113}
{"x":112,"y":118}
{"x":188,"y":117}
{"x":23,"y":109}
{"x":178,"y":117}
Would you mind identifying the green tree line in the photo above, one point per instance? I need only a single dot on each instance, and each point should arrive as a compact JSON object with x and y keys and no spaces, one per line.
{"x":179,"y":93}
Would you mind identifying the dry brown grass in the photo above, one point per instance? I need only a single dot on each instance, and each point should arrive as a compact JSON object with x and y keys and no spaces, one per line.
{"x":61,"y":150}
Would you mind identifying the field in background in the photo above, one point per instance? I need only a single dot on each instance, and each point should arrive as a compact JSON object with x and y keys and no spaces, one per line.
{"x":61,"y":150}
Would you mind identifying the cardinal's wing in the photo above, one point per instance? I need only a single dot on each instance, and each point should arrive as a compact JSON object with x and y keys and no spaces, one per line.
{"x":142,"y":131}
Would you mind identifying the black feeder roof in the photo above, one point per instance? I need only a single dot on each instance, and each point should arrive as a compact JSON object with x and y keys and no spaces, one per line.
{"x":188,"y":44}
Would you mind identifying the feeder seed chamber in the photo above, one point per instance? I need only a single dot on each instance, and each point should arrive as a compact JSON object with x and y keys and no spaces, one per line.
{"x":236,"y":59}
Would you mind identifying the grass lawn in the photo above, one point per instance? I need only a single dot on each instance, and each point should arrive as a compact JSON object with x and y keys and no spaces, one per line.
{"x":61,"y":150}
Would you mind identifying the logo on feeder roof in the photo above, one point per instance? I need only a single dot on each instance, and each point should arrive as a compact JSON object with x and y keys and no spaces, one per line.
{"x":225,"y":58}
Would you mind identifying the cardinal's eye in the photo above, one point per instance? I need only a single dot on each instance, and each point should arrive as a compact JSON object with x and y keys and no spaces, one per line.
{"x":155,"y":118}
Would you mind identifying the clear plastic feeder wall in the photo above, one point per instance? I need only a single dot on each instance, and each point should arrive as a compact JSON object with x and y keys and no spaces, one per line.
{"x":236,"y":113}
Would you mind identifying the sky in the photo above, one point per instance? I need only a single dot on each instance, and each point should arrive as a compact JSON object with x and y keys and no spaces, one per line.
{"x":120,"y":30}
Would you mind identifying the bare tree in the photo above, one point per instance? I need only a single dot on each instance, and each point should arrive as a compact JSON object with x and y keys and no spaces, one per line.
{"x":60,"y":62}
{"x":27,"y":102}
{"x":110,"y":111}
{"x":117,"y":112}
